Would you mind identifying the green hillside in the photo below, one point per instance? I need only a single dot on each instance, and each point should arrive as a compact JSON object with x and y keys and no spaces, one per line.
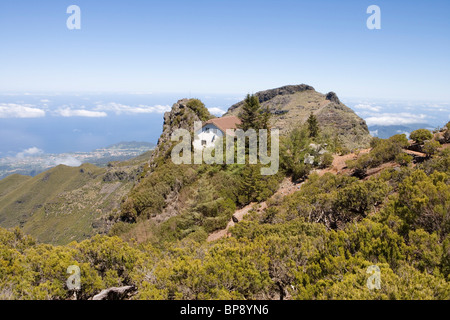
{"x":11,"y":183}
{"x":67,"y":203}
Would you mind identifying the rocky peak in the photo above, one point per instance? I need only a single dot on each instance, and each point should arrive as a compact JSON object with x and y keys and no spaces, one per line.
{"x":291,"y":89}
{"x":292,"y":105}
{"x":333,"y":97}
{"x":182,"y":116}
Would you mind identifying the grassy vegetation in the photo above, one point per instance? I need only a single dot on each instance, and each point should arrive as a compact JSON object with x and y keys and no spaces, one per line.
{"x":383,"y":151}
{"x":11,"y":183}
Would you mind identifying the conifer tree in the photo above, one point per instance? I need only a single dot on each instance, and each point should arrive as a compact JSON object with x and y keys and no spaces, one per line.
{"x":313,"y":126}
{"x":265,"y":119}
{"x":250,"y":115}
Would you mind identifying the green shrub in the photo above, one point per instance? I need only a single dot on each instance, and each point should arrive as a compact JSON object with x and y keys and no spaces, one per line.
{"x":326,"y":160}
{"x":199,"y":108}
{"x":383,"y":151}
{"x":403,"y":159}
{"x":431,"y":147}
{"x":421,"y":135}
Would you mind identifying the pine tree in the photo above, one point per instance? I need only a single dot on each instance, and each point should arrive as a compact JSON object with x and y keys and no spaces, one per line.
{"x":265,"y":119}
{"x":250,"y":115}
{"x":251,"y":183}
{"x":313,"y":126}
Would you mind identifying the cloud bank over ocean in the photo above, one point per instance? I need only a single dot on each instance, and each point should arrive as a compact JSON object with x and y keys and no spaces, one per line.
{"x":14,"y":110}
{"x":59,"y":123}
{"x":398,"y":113}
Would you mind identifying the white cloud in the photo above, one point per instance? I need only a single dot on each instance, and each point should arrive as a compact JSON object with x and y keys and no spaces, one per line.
{"x":67,"y":112}
{"x":391,"y":119}
{"x":67,"y":161}
{"x":406,"y":133}
{"x":45,"y":100}
{"x":125,"y":109}
{"x":216,"y":111}
{"x":12,"y":110}
{"x":33,"y":151}
{"x":441,"y":106}
{"x":368,"y":107}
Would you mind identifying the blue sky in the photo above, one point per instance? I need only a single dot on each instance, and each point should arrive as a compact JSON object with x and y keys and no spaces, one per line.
{"x":227,"y":46}
{"x":67,"y":90}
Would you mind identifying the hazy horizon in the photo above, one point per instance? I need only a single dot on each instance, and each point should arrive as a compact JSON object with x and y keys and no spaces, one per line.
{"x":61,"y":123}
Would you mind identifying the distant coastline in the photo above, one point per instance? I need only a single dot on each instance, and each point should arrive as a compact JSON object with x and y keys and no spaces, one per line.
{"x":34,"y":164}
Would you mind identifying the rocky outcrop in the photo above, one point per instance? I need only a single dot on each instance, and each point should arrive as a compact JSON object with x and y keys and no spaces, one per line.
{"x":121,"y":293}
{"x":332,"y":97}
{"x":181,"y":116}
{"x":118,"y":175}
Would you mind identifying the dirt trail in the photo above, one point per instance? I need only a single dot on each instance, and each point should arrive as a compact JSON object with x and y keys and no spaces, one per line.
{"x":415,"y":153}
{"x":286,"y":187}
{"x":339,"y":165}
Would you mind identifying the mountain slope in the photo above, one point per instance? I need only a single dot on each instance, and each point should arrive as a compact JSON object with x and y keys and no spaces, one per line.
{"x":11,"y":183}
{"x":290,"y":107}
{"x":67,"y":203}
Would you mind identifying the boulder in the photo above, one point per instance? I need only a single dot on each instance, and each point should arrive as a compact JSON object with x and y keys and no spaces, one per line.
{"x":333,"y":97}
{"x":115,"y":293}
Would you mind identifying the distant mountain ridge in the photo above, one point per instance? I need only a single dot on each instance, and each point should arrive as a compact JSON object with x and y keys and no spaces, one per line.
{"x":384,"y":132}
{"x":34,"y":165}
{"x":291,"y":105}
{"x":131,"y":144}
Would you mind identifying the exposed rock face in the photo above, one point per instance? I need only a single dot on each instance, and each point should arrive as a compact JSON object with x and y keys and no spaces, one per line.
{"x":180,"y":117}
{"x":270,"y":94}
{"x":291,"y":106}
{"x":118,"y":175}
{"x":333,"y":97}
